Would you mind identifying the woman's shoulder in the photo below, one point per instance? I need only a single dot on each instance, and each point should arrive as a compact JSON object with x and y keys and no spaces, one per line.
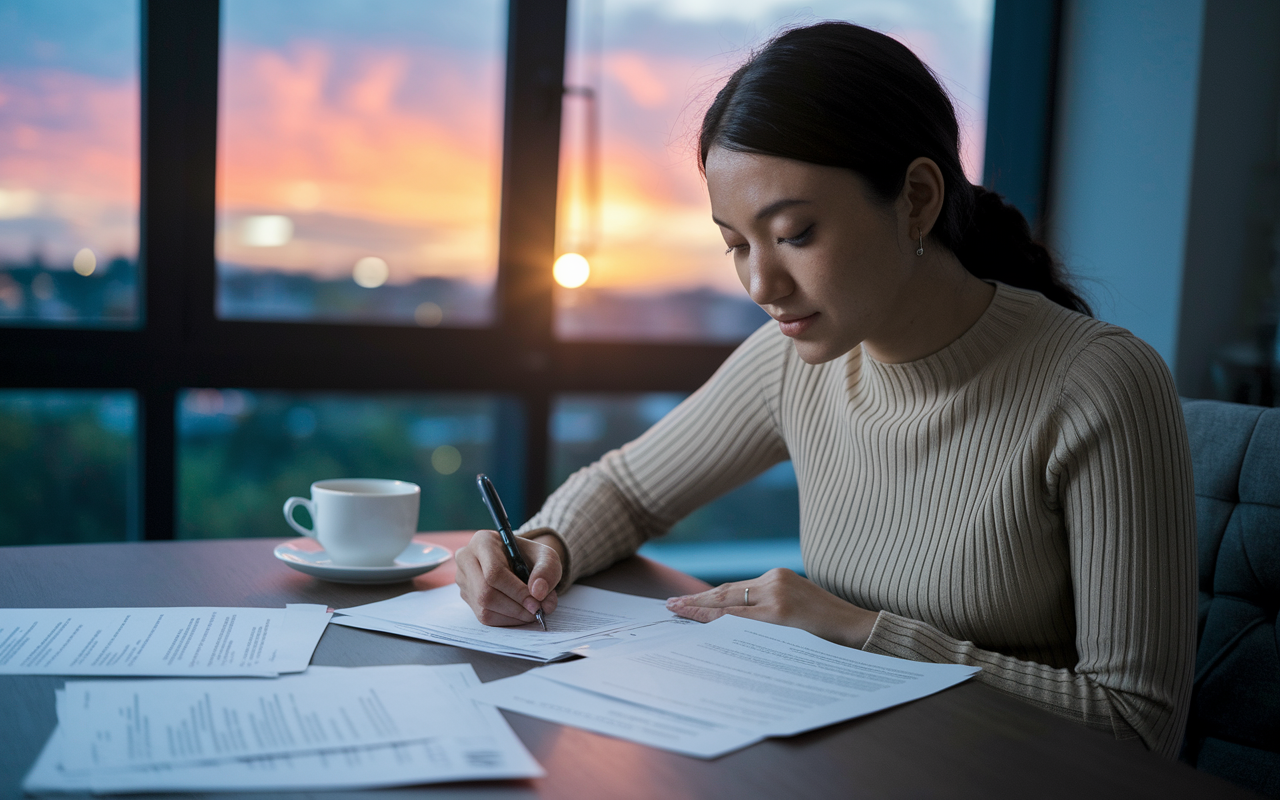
{"x":1098,"y":363}
{"x":1077,"y":340}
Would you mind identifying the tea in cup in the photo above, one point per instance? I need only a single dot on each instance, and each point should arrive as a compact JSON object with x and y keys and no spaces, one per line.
{"x":360,"y":522}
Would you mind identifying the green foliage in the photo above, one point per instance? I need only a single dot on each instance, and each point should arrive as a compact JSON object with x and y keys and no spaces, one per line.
{"x":236,"y":469}
{"x":66,"y":460}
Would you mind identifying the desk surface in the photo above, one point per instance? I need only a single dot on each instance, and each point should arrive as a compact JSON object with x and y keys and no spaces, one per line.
{"x":969,"y":741}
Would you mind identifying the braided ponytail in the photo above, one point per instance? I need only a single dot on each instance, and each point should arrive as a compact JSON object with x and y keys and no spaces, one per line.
{"x":997,"y":246}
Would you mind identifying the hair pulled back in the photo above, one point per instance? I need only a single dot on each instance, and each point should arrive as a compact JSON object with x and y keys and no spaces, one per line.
{"x":840,"y":95}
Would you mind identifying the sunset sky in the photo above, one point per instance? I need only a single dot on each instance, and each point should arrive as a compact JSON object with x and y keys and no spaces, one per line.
{"x":375,"y":127}
{"x":69,"y":129}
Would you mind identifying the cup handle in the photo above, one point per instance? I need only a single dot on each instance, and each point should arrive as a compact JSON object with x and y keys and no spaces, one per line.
{"x":290,"y":505}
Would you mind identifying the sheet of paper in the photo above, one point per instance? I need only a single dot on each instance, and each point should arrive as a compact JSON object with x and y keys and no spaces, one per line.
{"x":656,"y":630}
{"x":556,"y":702}
{"x":111,"y":724}
{"x":771,"y":679}
{"x":159,"y":641}
{"x":419,"y":632}
{"x":583,"y":611}
{"x":471,"y":742}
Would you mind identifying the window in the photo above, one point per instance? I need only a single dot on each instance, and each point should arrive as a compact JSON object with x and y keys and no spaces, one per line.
{"x":241,"y":453}
{"x":359,"y":156}
{"x":69,"y":163}
{"x":272,"y":142}
{"x":761,"y":519}
{"x":639,"y":75}
{"x":67,"y":467}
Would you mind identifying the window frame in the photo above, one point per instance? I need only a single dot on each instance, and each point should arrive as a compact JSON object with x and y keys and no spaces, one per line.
{"x":181,"y":344}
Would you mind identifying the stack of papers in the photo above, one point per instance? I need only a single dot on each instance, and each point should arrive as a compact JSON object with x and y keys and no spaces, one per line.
{"x":160,"y":641}
{"x":586,"y":619}
{"x":711,"y":689}
{"x":328,"y":728}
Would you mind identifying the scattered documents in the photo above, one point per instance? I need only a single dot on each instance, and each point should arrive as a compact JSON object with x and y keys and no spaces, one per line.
{"x":329,"y":728}
{"x":708,"y":690}
{"x":190,"y":642}
{"x":583,"y":614}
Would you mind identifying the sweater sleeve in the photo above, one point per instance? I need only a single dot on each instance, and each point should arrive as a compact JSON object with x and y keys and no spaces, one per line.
{"x":1120,"y":475}
{"x":723,"y":435}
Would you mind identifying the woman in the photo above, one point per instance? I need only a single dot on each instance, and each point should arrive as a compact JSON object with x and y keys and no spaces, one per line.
{"x":987,"y":475}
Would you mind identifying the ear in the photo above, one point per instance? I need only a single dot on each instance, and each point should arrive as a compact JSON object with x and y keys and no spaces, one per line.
{"x":921,"y":199}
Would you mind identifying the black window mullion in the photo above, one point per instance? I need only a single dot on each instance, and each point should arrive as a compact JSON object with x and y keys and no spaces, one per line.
{"x":526,"y":242}
{"x":179,"y":76}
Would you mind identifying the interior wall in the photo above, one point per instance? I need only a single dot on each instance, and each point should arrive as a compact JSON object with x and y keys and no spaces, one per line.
{"x":1122,"y":165}
{"x":1228,"y":291}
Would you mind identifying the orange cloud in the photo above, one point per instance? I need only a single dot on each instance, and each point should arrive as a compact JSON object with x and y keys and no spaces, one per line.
{"x":632,"y":70}
{"x":70,"y":143}
{"x":300,"y":131}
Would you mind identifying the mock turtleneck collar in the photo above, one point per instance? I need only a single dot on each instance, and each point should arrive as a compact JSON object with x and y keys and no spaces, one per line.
{"x":943,"y":372}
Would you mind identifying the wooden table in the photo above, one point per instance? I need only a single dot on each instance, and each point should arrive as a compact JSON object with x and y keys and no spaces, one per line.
{"x":969,"y":741}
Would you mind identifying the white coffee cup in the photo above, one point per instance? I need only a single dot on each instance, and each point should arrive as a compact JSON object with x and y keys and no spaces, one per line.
{"x":360,"y":522}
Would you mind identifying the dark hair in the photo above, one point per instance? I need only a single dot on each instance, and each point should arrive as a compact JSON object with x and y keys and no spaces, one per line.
{"x":841,"y":95}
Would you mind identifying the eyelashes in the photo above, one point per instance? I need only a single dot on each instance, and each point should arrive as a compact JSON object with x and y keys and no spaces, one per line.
{"x":798,"y":240}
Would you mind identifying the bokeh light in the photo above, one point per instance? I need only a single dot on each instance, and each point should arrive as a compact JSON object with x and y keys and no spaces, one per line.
{"x":446,"y":459}
{"x":267,"y":230}
{"x":571,"y":270}
{"x":85,"y":262}
{"x":370,"y":272}
{"x":428,"y":314}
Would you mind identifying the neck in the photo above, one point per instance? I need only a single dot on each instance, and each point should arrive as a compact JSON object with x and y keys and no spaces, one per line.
{"x":936,"y":306}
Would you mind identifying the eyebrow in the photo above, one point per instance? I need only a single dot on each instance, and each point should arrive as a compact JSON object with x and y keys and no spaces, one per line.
{"x":767,"y":211}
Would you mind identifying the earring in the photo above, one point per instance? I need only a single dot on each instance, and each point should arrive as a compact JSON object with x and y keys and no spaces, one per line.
{"x":920,"y":252}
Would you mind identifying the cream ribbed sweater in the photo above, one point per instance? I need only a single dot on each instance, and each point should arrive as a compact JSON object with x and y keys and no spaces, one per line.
{"x":1020,"y":501}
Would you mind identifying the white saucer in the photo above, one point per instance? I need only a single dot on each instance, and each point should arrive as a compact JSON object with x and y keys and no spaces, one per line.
{"x":306,"y":555}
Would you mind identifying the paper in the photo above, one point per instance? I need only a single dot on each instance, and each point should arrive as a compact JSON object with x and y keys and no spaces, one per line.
{"x":149,"y":723}
{"x":464,"y":740}
{"x":537,"y":697}
{"x":160,"y":641}
{"x":733,"y":674}
{"x":440,"y":615}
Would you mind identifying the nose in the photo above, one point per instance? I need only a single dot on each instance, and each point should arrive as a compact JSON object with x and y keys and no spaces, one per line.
{"x":765,"y":276}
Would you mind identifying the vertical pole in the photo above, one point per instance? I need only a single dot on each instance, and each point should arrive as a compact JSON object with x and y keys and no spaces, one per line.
{"x":179,"y":71}
{"x":526,"y":244}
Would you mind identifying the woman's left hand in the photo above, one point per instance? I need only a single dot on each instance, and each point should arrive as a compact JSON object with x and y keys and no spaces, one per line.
{"x":784,"y":598}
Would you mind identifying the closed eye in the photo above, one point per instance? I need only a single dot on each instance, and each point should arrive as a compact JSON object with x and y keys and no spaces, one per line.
{"x":798,"y":239}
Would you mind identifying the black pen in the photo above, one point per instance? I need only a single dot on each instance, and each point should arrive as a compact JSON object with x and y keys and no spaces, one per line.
{"x":499,"y":514}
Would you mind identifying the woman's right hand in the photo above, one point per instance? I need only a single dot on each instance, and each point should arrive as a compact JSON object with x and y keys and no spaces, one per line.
{"x":493,"y":591}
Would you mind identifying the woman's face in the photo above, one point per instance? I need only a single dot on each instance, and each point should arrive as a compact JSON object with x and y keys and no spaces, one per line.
{"x":812,"y":248}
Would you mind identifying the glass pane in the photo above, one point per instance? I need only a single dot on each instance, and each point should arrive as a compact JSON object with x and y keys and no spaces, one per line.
{"x":744,"y":533}
{"x":242,"y":453}
{"x":632,"y":200}
{"x":69,"y":163}
{"x":68,"y":467}
{"x":359,"y":160}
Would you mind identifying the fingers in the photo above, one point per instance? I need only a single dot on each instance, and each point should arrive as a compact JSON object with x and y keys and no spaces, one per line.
{"x":723,"y":596}
{"x":492,"y":590}
{"x":544,"y":574}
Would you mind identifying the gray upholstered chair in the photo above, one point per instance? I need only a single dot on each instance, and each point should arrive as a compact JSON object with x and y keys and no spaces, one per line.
{"x":1234,"y":728}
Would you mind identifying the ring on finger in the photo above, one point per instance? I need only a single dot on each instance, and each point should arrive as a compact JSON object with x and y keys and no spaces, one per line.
{"x":746,"y":596}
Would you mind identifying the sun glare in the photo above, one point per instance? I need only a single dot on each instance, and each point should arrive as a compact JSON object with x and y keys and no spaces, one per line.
{"x":571,"y":270}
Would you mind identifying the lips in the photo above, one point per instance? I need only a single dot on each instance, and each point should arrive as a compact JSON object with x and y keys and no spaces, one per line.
{"x":794,"y":326}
